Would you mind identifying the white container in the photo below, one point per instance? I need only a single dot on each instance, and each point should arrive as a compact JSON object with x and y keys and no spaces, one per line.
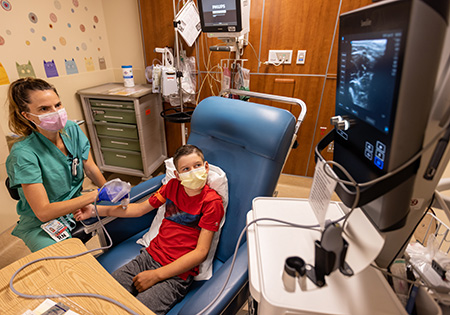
{"x":128,"y":79}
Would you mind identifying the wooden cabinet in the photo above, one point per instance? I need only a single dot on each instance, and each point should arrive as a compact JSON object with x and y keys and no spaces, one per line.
{"x":125,"y":127}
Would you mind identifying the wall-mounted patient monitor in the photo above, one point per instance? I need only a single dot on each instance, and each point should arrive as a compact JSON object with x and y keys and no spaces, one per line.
{"x":224,"y":18}
{"x":388,"y":60}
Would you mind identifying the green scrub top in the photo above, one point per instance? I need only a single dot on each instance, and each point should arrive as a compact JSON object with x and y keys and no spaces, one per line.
{"x":36,"y":159}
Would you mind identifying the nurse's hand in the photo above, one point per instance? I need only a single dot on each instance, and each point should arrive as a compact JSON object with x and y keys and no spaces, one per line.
{"x":84,"y":213}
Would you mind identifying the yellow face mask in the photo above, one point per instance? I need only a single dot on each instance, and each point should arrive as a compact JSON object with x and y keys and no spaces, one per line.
{"x":194,"y":179}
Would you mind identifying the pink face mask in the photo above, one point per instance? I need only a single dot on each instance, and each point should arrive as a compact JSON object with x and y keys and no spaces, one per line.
{"x":53,"y":121}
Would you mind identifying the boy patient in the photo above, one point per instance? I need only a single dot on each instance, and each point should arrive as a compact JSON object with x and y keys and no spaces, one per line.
{"x":160,"y":276}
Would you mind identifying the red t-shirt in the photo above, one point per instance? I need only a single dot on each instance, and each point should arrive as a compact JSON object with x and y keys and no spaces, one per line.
{"x":185,"y":216}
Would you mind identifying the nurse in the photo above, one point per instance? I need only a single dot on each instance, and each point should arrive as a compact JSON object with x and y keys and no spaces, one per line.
{"x":46,"y":163}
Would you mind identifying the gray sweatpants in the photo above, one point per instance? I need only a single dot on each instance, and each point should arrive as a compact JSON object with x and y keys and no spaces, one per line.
{"x":159,"y":298}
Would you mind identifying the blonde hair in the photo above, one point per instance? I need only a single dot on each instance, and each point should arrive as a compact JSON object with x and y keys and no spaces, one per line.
{"x":18,"y":100}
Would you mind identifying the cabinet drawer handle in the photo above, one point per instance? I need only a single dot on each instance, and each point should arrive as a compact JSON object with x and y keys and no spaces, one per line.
{"x":111,"y":105}
{"x":114,"y":129}
{"x":113,"y":117}
{"x":117,"y":142}
{"x":121,"y":156}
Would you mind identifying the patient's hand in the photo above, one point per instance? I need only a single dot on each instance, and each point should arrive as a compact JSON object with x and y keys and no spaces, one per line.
{"x":84,"y":213}
{"x":144,"y":280}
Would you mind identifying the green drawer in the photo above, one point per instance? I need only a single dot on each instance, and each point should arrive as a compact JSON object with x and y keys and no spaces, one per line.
{"x":112,"y":104}
{"x":119,"y":143}
{"x":122,"y":158}
{"x":116,"y":130}
{"x":114,"y":115}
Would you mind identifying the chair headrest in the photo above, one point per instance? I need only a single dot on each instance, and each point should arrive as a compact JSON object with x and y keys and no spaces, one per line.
{"x":230,"y":119}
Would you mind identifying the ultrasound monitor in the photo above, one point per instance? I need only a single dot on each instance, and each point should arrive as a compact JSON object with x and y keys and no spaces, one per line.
{"x":388,"y":59}
{"x":224,"y":18}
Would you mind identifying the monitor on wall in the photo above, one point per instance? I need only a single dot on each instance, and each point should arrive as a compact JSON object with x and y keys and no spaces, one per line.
{"x":223,"y":18}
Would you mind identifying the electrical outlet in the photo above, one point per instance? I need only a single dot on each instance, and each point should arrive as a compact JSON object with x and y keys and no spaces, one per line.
{"x":280,"y":56}
{"x":301,"y":56}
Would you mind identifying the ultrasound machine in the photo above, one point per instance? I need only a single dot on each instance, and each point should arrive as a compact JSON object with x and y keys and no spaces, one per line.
{"x":391,"y":130}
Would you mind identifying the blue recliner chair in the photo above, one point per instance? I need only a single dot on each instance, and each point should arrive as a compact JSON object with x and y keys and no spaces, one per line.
{"x":250,"y":142}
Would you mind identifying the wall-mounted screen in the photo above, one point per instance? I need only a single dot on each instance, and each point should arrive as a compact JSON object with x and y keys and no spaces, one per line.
{"x":220,"y":15}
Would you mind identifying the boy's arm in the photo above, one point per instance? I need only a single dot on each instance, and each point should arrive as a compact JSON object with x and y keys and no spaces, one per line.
{"x":133,"y":210}
{"x":148,"y":278}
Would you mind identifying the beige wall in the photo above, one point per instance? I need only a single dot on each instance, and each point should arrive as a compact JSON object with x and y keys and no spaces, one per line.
{"x":125,"y":40}
{"x":116,"y":37}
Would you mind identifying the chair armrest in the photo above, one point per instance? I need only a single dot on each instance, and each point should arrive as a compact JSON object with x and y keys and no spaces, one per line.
{"x":211,"y":288}
{"x":142,"y":190}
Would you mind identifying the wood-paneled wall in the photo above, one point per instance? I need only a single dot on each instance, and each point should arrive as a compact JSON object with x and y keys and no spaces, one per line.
{"x":310,"y":25}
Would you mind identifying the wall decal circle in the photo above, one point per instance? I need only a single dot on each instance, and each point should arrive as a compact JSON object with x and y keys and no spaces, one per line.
{"x":82,"y":28}
{"x":6,"y":5}
{"x":53,"y":17}
{"x":57,"y":4}
{"x":2,"y":41}
{"x":33,"y":17}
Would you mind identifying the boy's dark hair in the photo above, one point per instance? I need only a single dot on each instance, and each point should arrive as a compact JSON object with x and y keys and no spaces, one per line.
{"x":186,"y":150}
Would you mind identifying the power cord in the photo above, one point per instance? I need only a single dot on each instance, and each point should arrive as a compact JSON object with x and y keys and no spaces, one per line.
{"x":276,"y":64}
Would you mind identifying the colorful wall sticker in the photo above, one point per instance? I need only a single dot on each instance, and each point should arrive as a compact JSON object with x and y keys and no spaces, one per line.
{"x":71,"y":66}
{"x":25,"y":70}
{"x":50,"y":69}
{"x":3,"y":75}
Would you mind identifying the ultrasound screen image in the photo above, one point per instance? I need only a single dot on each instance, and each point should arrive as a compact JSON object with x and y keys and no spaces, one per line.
{"x":368,"y":76}
{"x":364,"y":56}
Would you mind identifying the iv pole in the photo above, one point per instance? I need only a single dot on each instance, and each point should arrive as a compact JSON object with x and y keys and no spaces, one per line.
{"x":179,"y":74}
